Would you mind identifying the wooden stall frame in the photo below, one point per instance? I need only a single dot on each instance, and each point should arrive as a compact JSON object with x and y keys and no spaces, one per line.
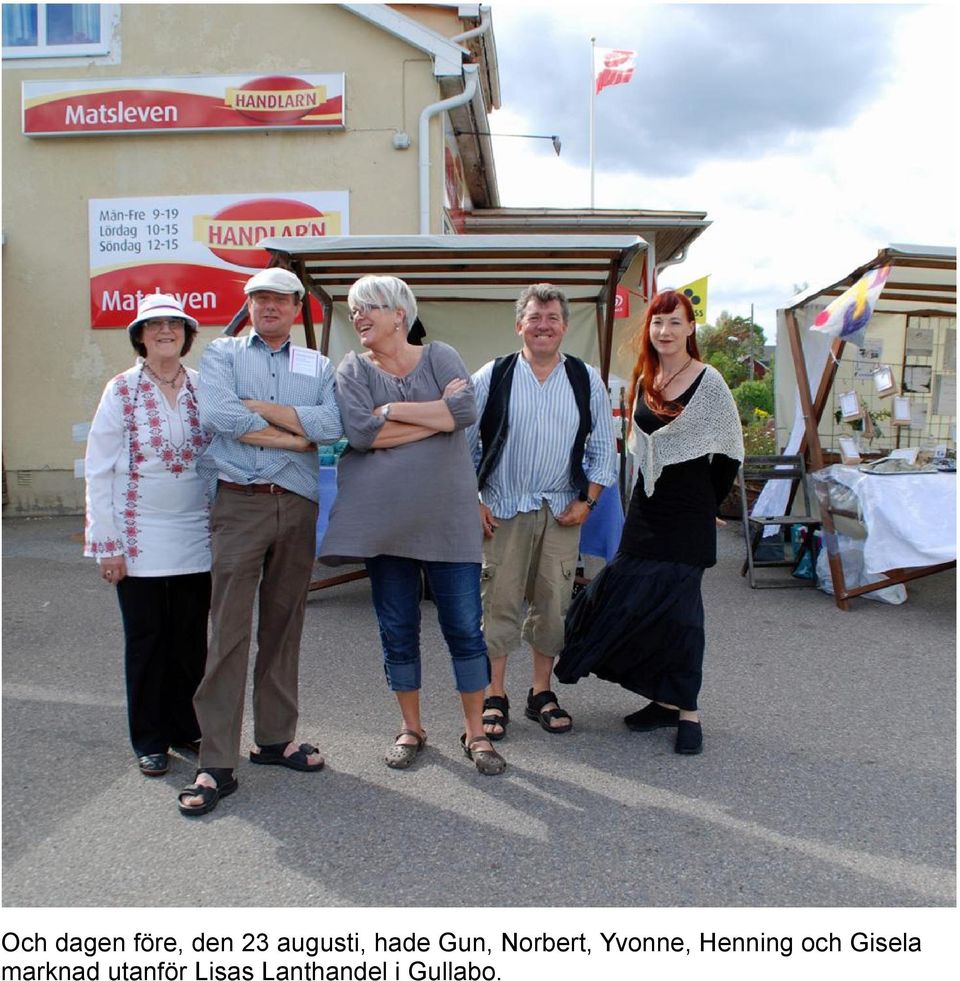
{"x":812,"y":412}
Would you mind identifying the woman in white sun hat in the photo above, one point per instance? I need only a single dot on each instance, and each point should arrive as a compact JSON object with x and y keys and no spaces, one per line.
{"x":147,"y":525}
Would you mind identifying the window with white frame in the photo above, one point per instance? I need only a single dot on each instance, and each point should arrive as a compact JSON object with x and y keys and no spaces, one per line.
{"x":56,"y":30}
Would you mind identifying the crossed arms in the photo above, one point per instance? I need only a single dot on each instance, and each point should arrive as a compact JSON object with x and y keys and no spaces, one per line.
{"x":283,"y":431}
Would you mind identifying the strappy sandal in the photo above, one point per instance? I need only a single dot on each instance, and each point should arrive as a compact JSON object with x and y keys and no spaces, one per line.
{"x":498,"y":703}
{"x":535,"y":711}
{"x":273,"y":756}
{"x":227,"y":783}
{"x":488,"y":761}
{"x":401,"y":755}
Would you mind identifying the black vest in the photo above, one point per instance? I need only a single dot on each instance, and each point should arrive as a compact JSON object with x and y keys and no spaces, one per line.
{"x":495,"y":419}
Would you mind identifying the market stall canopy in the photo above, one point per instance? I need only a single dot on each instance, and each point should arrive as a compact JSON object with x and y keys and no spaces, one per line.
{"x":469,"y":270}
{"x":669,"y":233}
{"x":923,"y":281}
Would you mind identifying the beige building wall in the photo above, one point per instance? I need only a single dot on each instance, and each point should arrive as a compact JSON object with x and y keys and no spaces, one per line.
{"x":54,"y":365}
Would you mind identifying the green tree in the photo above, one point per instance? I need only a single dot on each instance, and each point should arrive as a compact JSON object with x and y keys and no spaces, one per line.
{"x":743,"y":333}
{"x":752,"y":395}
{"x":733,"y":372}
{"x":731,"y":339}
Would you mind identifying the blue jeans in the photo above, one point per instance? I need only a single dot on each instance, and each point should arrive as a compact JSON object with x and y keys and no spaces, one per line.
{"x":396,"y":586}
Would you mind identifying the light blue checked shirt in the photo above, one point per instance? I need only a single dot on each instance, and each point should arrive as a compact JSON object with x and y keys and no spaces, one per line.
{"x":236,"y":368}
{"x":535,"y":463}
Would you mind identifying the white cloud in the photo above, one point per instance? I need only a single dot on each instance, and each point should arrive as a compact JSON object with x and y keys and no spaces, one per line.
{"x":812,"y":210}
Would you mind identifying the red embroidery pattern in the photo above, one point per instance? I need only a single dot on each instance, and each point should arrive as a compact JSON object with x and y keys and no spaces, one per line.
{"x":146,"y":437}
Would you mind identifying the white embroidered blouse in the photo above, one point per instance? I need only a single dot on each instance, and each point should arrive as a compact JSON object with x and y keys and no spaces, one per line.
{"x":144,"y":499}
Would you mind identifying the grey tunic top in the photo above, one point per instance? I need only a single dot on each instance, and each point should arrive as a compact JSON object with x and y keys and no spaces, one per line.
{"x":418,"y":500}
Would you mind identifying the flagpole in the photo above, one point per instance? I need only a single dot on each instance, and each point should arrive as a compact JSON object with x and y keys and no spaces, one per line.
{"x":593,"y":96}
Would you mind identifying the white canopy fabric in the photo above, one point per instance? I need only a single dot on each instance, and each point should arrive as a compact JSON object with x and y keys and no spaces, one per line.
{"x":457,"y":267}
{"x":466,"y":285}
{"x":923,"y":282}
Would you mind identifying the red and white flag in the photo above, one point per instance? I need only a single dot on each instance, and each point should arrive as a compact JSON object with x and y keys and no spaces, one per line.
{"x":612,"y":66}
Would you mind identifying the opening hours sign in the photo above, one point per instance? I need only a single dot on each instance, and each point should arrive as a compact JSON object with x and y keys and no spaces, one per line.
{"x":200,"y":248}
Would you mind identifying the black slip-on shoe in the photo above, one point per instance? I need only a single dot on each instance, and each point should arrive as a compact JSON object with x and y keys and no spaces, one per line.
{"x":652,"y":716}
{"x":154,"y":764}
{"x":689,"y":738}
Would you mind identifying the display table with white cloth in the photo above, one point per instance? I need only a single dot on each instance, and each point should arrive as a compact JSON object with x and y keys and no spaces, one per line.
{"x":909,"y":520}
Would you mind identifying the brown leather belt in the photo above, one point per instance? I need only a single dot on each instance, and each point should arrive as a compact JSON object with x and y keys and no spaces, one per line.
{"x":253,"y":488}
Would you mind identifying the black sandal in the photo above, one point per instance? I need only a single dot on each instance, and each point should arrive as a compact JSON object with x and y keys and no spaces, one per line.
{"x":272,"y":755}
{"x":227,"y":783}
{"x":535,"y":711}
{"x":499,"y":703}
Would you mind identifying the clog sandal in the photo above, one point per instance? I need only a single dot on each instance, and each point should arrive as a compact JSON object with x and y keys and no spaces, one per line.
{"x":401,"y":755}
{"x":488,"y":761}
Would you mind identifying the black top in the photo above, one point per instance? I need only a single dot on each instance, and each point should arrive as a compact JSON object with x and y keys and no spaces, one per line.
{"x":677,"y":524}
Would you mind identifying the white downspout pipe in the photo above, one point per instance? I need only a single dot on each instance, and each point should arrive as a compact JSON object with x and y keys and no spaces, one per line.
{"x":485,"y":23}
{"x":471,"y":80}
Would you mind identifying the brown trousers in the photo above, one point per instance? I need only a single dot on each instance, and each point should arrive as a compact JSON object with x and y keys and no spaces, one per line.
{"x":254,"y":535}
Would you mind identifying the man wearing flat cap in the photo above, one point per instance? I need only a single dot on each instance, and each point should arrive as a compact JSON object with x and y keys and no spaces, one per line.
{"x":267,"y":404}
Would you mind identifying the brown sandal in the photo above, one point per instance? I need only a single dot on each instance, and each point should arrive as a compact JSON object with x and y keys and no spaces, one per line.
{"x":400,"y":755}
{"x":488,"y":761}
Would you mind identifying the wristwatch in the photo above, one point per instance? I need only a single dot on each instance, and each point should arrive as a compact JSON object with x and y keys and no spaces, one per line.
{"x":385,"y":415}
{"x":591,"y":503}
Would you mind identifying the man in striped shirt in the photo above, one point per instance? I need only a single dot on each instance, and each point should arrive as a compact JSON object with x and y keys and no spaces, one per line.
{"x":267,"y":403}
{"x":544,"y":448}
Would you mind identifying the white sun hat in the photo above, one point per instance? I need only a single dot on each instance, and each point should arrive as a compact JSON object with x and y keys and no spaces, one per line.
{"x":161,"y":305}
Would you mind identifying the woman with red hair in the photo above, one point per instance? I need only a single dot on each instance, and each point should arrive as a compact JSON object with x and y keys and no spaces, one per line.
{"x":640,"y":622}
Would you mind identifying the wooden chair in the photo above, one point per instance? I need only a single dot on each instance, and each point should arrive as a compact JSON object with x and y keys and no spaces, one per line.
{"x":763,"y":469}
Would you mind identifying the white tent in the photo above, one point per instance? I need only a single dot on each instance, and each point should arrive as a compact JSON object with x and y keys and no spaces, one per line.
{"x":466,"y":285}
{"x":921,"y":290}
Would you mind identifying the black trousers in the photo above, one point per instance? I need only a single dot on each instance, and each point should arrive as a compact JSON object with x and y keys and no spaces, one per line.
{"x":165,"y":628}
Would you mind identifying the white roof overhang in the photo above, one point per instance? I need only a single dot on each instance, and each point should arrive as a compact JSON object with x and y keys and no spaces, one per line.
{"x":468,"y":267}
{"x":447,"y":56}
{"x":923,"y":281}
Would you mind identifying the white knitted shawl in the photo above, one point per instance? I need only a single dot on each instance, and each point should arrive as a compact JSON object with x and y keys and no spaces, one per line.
{"x":709,"y":423}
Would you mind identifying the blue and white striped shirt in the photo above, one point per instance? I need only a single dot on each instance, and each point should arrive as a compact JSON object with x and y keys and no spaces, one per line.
{"x":535,"y":463}
{"x":237,"y":368}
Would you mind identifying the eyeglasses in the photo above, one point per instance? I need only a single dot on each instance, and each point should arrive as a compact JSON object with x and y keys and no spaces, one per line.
{"x":364,"y":308}
{"x":159,"y":323}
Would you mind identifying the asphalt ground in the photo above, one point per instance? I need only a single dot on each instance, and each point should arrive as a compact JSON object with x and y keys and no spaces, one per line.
{"x":828,"y":777}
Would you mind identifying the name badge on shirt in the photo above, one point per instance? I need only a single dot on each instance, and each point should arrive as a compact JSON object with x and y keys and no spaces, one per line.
{"x":304,"y":361}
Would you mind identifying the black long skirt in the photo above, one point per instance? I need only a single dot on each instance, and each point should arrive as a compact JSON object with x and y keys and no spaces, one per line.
{"x":640,"y":624}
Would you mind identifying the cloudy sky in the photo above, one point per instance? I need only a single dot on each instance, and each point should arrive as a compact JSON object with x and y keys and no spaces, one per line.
{"x":812,"y":135}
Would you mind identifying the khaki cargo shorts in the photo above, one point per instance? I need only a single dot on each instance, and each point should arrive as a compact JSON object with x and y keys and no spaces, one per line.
{"x":527,"y":582}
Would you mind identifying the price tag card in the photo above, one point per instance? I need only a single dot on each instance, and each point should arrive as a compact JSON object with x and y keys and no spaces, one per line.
{"x":304,"y":361}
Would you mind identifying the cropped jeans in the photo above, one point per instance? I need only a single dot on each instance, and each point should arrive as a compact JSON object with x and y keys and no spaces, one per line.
{"x":397,"y":590}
